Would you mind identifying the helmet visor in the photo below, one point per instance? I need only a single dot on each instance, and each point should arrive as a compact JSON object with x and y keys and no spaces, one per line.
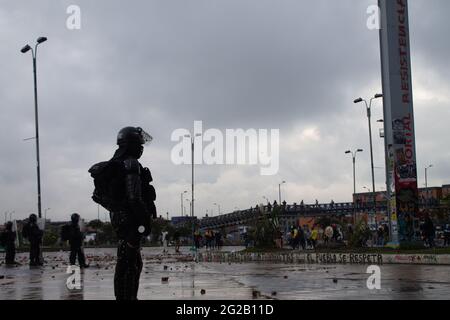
{"x":145,"y":137}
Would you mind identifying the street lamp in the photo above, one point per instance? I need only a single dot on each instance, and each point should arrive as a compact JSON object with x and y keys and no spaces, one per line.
{"x":426,"y":184}
{"x":45,"y":214}
{"x":279,"y":191}
{"x":381,"y":130}
{"x":369,"y":112}
{"x":190,"y":206}
{"x":218,"y":205}
{"x":182,"y":206}
{"x":36,"y":117}
{"x":192,"y":185}
{"x":192,"y":160}
{"x":354,"y":180}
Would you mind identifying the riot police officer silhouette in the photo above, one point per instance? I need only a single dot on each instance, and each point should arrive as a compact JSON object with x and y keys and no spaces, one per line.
{"x":122,"y":186}
{"x":73,"y":234}
{"x":8,"y":239}
{"x":34,"y":235}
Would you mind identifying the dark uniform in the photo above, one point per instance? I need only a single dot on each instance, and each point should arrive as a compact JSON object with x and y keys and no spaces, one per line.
{"x":131,"y":208}
{"x":76,"y":242}
{"x":8,"y":240}
{"x":34,"y":235}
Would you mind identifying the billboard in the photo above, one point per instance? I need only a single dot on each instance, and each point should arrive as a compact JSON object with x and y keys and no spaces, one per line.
{"x":399,"y":135}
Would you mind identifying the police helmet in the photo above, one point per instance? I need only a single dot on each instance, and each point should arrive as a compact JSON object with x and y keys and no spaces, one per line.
{"x":75,"y":217}
{"x":33,"y":217}
{"x":133,"y":135}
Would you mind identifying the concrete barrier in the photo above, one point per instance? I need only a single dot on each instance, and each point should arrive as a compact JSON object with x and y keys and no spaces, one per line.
{"x":325,"y":258}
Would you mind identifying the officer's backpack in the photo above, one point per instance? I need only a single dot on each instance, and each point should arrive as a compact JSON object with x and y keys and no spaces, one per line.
{"x":65,"y":232}
{"x":26,"y":231}
{"x":107,"y":192}
{"x":3,"y":239}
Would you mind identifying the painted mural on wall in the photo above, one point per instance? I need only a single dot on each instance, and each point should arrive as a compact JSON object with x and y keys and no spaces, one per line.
{"x":401,"y":170}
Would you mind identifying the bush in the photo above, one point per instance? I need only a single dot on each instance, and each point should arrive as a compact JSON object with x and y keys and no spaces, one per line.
{"x":417,"y":245}
{"x":106,"y":235}
{"x":50,"y":237}
{"x":360,"y":235}
{"x":265,"y":230}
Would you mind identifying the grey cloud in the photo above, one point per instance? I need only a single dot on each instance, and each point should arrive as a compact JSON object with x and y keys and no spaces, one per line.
{"x":163,"y":64}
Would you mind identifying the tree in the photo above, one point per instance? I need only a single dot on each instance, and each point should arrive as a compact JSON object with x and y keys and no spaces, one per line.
{"x":360,"y":235}
{"x":50,"y":237}
{"x":106,"y":235}
{"x":265,"y":229}
{"x":327,"y":221}
{"x":158,"y":225}
{"x":95,"y":224}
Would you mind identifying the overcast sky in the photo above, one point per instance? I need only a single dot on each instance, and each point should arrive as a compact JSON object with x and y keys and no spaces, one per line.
{"x":292,"y":65}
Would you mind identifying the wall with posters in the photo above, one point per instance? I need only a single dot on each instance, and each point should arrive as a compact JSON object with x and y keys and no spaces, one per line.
{"x":401,"y":170}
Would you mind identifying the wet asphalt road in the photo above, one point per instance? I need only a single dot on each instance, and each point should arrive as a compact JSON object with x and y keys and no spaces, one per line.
{"x":186,"y":279}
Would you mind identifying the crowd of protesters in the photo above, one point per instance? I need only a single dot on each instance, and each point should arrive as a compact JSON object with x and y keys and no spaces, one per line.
{"x":209,"y":239}
{"x":304,"y":237}
{"x":308,"y":238}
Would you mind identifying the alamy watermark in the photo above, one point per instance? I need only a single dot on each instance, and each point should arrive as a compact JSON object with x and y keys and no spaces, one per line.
{"x":373,"y":21}
{"x":73,"y":282}
{"x":234,"y":147}
{"x":374,"y":280}
{"x":73,"y":21}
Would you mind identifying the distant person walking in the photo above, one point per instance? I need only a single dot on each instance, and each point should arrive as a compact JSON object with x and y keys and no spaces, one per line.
{"x":197,"y":239}
{"x":73,"y":234}
{"x":279,"y":239}
{"x":307,"y":234}
{"x":447,"y":235}
{"x":176,"y":238}
{"x":386,"y":233}
{"x":349,"y":232}
{"x":246,"y":240}
{"x":380,"y":236}
{"x":313,"y":238}
{"x":34,"y":235}
{"x":429,"y":231}
{"x":218,"y":240}
{"x":294,"y":238}
{"x":8,"y":240}
{"x":301,"y":238}
{"x":328,"y":234}
{"x":164,"y":239}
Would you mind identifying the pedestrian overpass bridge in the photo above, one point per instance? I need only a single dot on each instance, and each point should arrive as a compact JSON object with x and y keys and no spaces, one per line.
{"x":287,"y":212}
